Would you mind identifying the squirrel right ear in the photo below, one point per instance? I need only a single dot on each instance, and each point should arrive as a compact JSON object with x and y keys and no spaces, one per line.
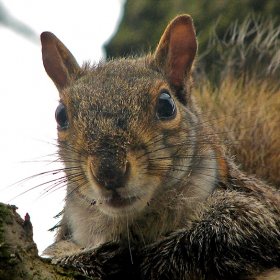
{"x":176,"y":51}
{"x":58,"y":61}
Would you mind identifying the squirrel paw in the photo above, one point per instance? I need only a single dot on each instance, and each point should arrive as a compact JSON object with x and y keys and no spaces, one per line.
{"x":108,"y":261}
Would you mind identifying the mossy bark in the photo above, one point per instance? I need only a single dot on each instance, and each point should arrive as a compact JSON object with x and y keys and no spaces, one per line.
{"x":19,"y":254}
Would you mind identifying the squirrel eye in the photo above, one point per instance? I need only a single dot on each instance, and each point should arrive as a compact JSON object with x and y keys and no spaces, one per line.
{"x":61,"y":116}
{"x":166,"y":108}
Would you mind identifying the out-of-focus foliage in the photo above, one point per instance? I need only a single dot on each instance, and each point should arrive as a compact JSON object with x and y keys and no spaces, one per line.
{"x":245,"y":116}
{"x":248,"y":49}
{"x":145,"y":20}
{"x":237,"y":86}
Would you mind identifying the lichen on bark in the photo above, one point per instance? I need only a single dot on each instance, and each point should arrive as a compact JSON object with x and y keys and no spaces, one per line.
{"x":19,"y":257}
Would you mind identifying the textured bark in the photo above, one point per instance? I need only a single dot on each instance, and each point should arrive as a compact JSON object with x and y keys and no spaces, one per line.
{"x":19,"y":254}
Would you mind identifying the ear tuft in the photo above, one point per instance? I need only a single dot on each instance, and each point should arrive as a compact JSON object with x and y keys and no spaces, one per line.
{"x":58,"y":61}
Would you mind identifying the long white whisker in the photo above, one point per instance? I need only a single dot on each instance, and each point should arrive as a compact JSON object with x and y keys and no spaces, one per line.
{"x":128,"y":239}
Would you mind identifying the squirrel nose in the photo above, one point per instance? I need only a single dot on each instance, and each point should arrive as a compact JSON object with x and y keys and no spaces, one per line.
{"x":111,"y":175}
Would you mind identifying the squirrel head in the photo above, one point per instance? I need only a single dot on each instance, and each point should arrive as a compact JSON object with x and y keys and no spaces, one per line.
{"x":126,"y":127}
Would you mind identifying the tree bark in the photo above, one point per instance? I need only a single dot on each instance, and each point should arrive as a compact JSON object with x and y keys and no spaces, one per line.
{"x":19,"y":257}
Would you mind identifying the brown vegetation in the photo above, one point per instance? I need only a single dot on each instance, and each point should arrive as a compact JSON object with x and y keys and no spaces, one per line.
{"x":239,"y":92}
{"x":246,"y":117}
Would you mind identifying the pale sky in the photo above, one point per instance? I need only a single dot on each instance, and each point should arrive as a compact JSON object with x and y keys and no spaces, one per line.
{"x":29,"y":98}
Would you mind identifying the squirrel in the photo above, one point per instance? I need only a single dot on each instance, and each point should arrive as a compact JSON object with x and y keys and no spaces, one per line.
{"x":151,"y":192}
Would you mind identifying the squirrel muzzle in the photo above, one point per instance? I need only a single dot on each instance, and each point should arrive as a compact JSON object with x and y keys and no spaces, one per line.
{"x":108,"y":165}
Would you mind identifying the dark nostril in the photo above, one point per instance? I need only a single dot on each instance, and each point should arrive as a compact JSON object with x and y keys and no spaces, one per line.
{"x":113,"y":177}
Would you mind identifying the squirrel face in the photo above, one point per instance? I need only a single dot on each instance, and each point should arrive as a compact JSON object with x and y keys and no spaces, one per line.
{"x":115,"y":132}
{"x":130,"y":137}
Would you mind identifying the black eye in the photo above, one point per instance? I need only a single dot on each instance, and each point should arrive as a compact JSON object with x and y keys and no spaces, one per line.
{"x":166,"y":108}
{"x":61,"y":116}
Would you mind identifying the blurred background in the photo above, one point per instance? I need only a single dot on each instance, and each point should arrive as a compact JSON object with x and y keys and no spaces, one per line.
{"x":145,"y":20}
{"x":96,"y":29}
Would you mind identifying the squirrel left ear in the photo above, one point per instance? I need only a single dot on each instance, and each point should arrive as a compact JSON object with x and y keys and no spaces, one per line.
{"x":176,"y":51}
{"x":58,"y":61}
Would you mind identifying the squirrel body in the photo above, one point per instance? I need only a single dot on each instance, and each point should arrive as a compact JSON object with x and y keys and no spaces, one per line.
{"x":145,"y":172}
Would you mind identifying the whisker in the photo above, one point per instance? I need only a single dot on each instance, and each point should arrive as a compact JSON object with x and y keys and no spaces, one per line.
{"x":41,"y":175}
{"x":128,"y":239}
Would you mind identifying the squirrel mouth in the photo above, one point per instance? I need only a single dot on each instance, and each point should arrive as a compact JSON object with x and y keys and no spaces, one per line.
{"x":117,"y":201}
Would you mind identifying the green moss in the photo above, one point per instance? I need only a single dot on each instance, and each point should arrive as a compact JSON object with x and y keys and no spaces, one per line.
{"x":7,"y":212}
{"x":6,"y":216}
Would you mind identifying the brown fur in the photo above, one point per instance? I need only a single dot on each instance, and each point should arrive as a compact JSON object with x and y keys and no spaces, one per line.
{"x":151,"y":193}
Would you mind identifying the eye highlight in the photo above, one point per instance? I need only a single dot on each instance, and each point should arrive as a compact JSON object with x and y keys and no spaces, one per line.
{"x":61,"y":117}
{"x":166,"y":108}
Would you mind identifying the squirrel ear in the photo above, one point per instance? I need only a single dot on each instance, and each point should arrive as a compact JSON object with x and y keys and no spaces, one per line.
{"x":176,"y":50}
{"x":58,"y":61}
